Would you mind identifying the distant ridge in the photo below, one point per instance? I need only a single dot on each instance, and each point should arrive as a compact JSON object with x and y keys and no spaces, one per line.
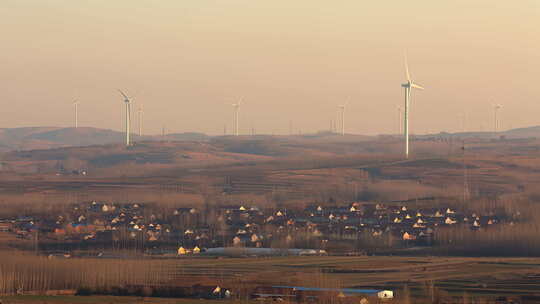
{"x":526,"y":132}
{"x":30,"y":138}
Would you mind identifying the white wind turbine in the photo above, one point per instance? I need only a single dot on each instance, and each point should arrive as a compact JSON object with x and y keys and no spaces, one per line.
{"x":342,"y":109}
{"x":408,"y":86}
{"x":76,"y":104}
{"x":496,"y":109}
{"x":236,"y":107}
{"x":128,"y":116}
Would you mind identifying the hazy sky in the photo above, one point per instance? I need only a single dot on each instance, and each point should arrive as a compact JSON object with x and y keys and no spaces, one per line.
{"x":186,"y":61}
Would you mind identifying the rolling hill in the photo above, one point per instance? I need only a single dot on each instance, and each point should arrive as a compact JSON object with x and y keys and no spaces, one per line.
{"x":32,"y":138}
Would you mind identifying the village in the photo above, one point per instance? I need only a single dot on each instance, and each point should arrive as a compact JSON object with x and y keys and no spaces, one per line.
{"x":348,"y":229}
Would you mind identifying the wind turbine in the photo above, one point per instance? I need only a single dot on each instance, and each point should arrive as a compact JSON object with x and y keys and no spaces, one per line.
{"x":140,"y":112}
{"x":76,"y":103}
{"x":236,"y":107}
{"x":128,"y":116}
{"x":496,"y":109}
{"x":342,"y":108}
{"x":408,"y":86}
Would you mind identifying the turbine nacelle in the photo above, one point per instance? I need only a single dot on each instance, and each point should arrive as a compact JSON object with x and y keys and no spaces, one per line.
{"x":126,"y":99}
{"x":413,"y":85}
{"x":343,"y":106}
{"x":237,"y":105}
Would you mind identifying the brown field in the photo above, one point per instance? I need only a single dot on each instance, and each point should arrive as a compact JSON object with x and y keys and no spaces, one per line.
{"x":454,"y":275}
{"x":490,"y":175}
{"x":276,"y":169}
{"x":421,"y":276}
{"x":105,"y":300}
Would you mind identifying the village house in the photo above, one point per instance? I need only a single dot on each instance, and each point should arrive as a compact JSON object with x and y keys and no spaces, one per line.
{"x":185,"y":229}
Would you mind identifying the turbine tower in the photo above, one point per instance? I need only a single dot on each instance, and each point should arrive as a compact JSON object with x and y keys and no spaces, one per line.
{"x":128,"y":116}
{"x":400,"y":124}
{"x":408,"y":86}
{"x":236,"y":107}
{"x":140,"y":112}
{"x":496,"y":109}
{"x":76,"y":103}
{"x":342,"y":109}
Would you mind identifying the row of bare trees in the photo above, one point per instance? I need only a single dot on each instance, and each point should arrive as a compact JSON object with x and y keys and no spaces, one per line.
{"x":20,"y":273}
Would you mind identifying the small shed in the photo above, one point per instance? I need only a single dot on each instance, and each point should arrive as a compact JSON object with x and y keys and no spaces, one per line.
{"x":385,"y":294}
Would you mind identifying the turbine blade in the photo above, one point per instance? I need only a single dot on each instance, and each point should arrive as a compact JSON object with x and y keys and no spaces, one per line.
{"x":407,"y":68}
{"x":125,"y":96}
{"x":416,"y":86}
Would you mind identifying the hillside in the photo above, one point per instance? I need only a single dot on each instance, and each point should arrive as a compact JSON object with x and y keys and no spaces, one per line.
{"x":33,"y":138}
{"x":293,"y":167}
{"x":518,"y":133}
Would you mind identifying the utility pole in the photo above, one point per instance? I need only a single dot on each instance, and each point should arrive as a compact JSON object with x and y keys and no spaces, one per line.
{"x":465,"y":176}
{"x":496,"y":116}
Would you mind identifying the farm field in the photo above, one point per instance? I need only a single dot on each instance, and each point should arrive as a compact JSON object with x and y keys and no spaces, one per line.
{"x":493,"y":276}
{"x":104,"y":300}
{"x":452,"y":278}
{"x":500,"y":179}
{"x":288,"y":169}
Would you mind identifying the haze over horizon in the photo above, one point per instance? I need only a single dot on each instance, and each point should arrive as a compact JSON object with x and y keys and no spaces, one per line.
{"x":187,"y":61}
